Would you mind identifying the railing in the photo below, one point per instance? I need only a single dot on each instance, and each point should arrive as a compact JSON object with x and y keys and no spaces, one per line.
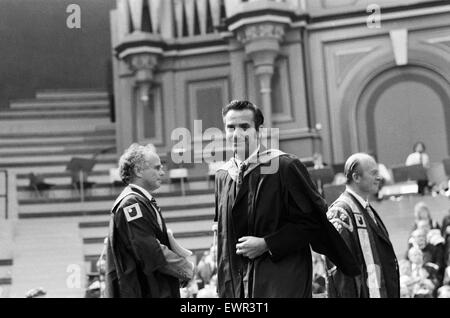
{"x":172,"y":19}
{"x":3,"y":194}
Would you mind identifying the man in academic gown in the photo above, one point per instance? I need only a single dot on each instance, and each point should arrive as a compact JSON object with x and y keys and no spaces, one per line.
{"x":268,"y":213}
{"x":141,"y":261}
{"x":365,"y":234}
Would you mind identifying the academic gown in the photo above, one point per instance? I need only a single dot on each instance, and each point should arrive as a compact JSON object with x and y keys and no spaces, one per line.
{"x":133,"y":254}
{"x":286,"y":209}
{"x":342,"y":215}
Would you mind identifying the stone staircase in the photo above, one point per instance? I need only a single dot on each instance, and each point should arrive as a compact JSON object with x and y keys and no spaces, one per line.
{"x":58,"y":238}
{"x":41,"y":136}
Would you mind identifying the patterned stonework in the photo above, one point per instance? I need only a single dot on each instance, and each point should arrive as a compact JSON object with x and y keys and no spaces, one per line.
{"x":260,"y":31}
{"x":142,"y":61}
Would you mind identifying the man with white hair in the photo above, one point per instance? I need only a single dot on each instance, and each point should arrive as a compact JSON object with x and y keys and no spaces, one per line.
{"x":365,"y":234}
{"x":142,"y":258}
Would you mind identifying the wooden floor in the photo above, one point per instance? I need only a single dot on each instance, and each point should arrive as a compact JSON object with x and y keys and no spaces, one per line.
{"x":398,"y":216}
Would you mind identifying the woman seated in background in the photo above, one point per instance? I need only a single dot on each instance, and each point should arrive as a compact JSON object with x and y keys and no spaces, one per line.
{"x":422,"y":212}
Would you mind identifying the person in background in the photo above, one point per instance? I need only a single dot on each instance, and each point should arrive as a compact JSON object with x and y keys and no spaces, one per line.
{"x":142,"y":258}
{"x":318,"y":161}
{"x":385,"y":175}
{"x":419,"y":156}
{"x":422,"y":212}
{"x":444,"y":292}
{"x":365,"y":234}
{"x":423,"y":287}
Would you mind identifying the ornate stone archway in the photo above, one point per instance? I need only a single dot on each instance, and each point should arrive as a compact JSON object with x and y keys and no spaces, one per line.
{"x":353,"y":114}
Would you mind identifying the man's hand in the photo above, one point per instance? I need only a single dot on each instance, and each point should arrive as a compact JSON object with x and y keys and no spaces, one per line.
{"x":251,"y":246}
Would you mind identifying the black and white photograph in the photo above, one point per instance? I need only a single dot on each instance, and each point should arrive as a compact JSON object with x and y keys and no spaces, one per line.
{"x":235,"y":150}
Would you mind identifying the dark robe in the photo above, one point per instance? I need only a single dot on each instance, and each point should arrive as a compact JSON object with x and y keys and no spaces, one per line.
{"x":134,"y":258}
{"x":340,"y":285}
{"x":285,"y":209}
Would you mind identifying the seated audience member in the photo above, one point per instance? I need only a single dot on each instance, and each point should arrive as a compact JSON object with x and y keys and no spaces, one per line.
{"x":430,"y":245}
{"x":418,"y":156}
{"x":207,"y":266}
{"x":422,"y":212}
{"x":443,"y":292}
{"x":318,"y":284}
{"x":190,"y":290}
{"x":406,"y":282}
{"x":446,"y":280}
{"x":210,"y":289}
{"x":318,"y":161}
{"x":406,"y":287}
{"x":422,"y":286}
{"x":445,"y":229}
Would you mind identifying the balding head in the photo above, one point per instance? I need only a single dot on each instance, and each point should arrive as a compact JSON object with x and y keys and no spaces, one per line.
{"x":361,"y":172}
{"x":355,"y":164}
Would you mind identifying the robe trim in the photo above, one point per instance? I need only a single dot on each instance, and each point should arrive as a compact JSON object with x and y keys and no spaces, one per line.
{"x":373,"y":280}
{"x":262,"y":158}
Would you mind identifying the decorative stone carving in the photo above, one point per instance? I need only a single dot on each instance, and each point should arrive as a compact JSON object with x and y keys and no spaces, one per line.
{"x":260,"y":31}
{"x":143,"y":64}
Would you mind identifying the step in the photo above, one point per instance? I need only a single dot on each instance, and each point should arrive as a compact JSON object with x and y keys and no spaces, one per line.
{"x":200,"y":243}
{"x":53,"y":114}
{"x":172,"y":215}
{"x":96,"y":193}
{"x":44,"y":251}
{"x":50,"y":175}
{"x":103,"y":181}
{"x":21,"y":142}
{"x":99,"y":208}
{"x":178,"y":228}
{"x":44,"y":150}
{"x":5,"y":291}
{"x":71,"y":94}
{"x":75,"y":134}
{"x":58,"y":104}
{"x":59,"y":168}
{"x":53,"y":126}
{"x":51,"y":160}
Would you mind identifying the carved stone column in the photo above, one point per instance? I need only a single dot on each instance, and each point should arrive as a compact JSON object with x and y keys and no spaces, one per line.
{"x":143,"y":65}
{"x":262,"y":45}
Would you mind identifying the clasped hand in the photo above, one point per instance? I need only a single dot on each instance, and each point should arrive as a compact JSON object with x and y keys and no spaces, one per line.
{"x":251,"y":246}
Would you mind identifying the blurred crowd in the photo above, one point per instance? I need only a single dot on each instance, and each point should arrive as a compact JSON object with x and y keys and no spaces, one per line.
{"x":425,"y":269}
{"x":204,"y":283}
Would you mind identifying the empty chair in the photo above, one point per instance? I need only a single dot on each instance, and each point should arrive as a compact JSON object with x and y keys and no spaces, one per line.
{"x":38,"y":184}
{"x":79,"y":169}
{"x":179,"y":175}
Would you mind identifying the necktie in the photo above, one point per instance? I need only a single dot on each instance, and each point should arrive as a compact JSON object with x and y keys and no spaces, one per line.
{"x":158,"y":212}
{"x":372,"y":215}
{"x":242,"y":168}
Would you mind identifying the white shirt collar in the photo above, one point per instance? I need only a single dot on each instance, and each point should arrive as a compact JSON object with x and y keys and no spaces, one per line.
{"x":254,"y":153}
{"x":145,"y":192}
{"x":360,"y":199}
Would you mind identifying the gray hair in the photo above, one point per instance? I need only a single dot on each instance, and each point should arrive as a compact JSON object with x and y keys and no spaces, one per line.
{"x":133,"y":161}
